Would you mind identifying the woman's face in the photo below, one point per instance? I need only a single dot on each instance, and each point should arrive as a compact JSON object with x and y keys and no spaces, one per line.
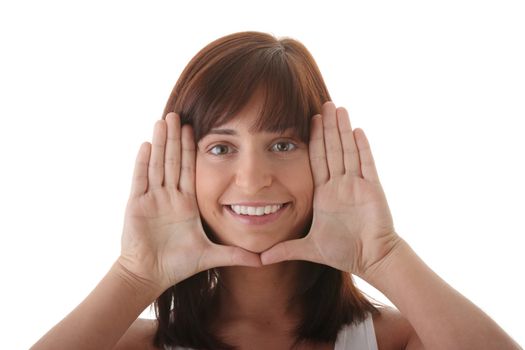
{"x":241,"y":175}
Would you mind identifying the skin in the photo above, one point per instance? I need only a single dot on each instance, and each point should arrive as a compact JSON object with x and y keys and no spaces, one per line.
{"x":163,"y":243}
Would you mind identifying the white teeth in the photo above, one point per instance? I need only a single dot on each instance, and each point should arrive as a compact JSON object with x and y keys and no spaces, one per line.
{"x":255,"y":211}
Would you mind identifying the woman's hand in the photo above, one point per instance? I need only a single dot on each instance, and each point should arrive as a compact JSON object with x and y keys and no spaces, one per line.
{"x":163,"y":241}
{"x":352,"y":228}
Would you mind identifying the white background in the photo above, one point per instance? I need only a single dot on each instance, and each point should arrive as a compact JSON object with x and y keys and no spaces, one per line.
{"x":439,"y":88}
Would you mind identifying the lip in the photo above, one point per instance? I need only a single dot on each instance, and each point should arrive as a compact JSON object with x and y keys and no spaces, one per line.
{"x":255,"y":204}
{"x":257,"y":220}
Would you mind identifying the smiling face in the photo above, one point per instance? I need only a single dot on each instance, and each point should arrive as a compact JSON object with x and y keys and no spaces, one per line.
{"x":254,"y":189}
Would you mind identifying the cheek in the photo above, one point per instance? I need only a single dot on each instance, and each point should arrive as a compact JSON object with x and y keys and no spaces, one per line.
{"x":300,"y":182}
{"x":209,"y":184}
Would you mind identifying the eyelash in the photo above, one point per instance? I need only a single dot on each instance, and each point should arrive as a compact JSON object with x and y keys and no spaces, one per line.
{"x":294,"y":146}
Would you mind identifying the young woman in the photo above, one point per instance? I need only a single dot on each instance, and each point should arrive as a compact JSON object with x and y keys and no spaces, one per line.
{"x":249,"y":212}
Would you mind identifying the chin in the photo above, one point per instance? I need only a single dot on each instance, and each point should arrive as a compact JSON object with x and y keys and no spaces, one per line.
{"x":255,"y":247}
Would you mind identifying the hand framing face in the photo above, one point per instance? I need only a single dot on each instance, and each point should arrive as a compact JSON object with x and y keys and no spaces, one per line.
{"x":352,"y":226}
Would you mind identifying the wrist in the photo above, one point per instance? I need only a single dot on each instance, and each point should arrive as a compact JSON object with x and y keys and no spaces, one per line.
{"x":384,"y":265}
{"x":138,"y":285}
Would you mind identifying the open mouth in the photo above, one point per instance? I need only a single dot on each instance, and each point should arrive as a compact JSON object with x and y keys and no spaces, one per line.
{"x":256,"y":211}
{"x":257,"y":215}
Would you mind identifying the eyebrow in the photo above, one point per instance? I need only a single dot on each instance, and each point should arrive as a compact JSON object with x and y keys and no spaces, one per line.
{"x":231,"y":132}
{"x":228,"y":132}
{"x":223,"y":132}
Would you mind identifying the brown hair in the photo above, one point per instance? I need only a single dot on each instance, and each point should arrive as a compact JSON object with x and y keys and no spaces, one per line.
{"x":216,"y":84}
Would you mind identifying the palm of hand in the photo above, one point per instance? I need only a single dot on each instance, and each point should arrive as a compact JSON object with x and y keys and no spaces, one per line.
{"x":160,"y":221}
{"x":350,"y":215}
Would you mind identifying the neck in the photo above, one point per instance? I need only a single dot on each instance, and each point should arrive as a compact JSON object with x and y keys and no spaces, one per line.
{"x":258,"y":294}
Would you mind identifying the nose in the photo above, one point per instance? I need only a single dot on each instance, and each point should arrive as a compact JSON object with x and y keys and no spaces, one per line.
{"x":253,"y":173}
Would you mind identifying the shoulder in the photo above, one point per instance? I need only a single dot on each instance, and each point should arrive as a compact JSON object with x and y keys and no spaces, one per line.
{"x":393,"y":331}
{"x":138,"y":336}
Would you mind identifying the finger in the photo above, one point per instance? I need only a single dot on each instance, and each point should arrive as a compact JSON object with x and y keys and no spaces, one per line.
{"x":172,"y":163}
{"x":350,"y":152}
{"x":332,"y":140}
{"x":139,"y":183}
{"x":295,"y":249}
{"x":317,"y":152}
{"x":156,"y":162}
{"x":222,"y":255}
{"x":368,"y":165}
{"x":187,"y":172}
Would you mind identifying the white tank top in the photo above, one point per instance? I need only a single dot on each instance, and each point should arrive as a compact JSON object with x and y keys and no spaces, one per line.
{"x":360,"y":337}
{"x":350,"y":337}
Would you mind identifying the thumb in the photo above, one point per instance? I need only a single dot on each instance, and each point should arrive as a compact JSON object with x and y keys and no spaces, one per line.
{"x":295,"y":249}
{"x":222,"y":255}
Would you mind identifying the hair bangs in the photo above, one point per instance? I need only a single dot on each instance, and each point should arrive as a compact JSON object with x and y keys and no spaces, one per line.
{"x":285,"y":106}
{"x":267,"y":75}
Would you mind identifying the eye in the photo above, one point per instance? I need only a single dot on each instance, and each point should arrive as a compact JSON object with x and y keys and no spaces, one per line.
{"x":218,"y":150}
{"x":284,"y":146}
